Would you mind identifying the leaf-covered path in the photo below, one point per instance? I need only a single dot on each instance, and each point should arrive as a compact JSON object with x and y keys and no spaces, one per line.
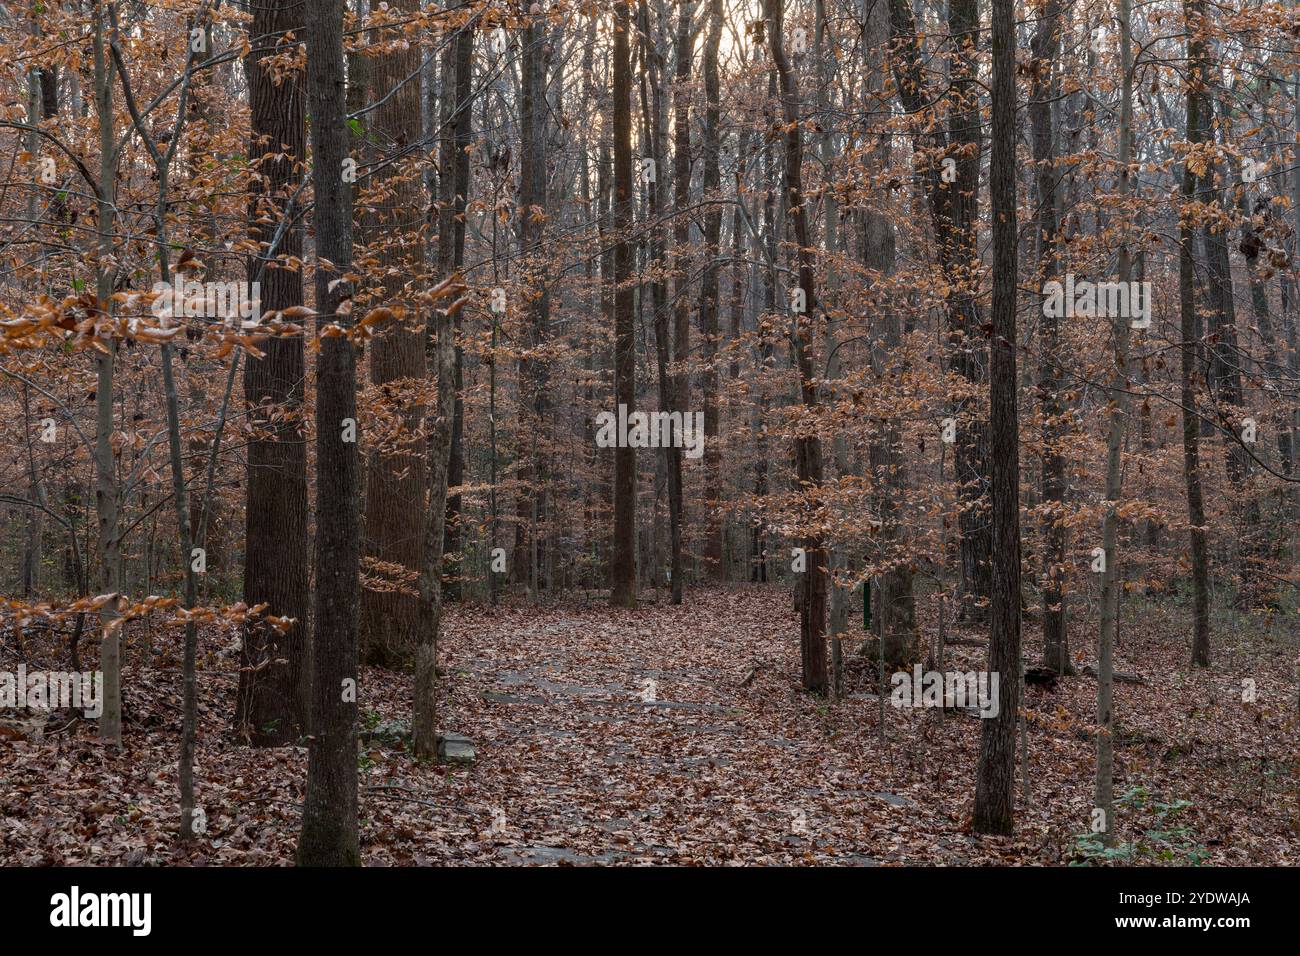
{"x":604,"y":736}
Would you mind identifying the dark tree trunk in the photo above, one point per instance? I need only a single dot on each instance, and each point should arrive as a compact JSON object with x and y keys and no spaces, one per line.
{"x":996,"y":772}
{"x":1044,"y":91}
{"x":681,"y":382}
{"x":528,"y":498}
{"x":808,"y":453}
{"x":967,"y":356}
{"x":623,"y":563}
{"x":1196,"y":119}
{"x":711,"y":184}
{"x":329,"y":814}
{"x":460,"y":123}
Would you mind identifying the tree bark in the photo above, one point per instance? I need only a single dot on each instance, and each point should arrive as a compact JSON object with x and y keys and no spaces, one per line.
{"x":329,"y":816}
{"x":711,"y":184}
{"x":954,"y":208}
{"x":1193,"y":16}
{"x":967,"y":356}
{"x":623,"y":563}
{"x":107,"y":503}
{"x":808,"y":454}
{"x":460,"y":122}
{"x":395,"y":475}
{"x":272,"y":704}
{"x":1044,"y":91}
{"x":1104,"y":789}
{"x":996,"y":772}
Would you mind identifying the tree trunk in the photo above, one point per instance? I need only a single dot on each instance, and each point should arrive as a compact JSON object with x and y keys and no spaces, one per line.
{"x":623,"y":564}
{"x":967,"y":357}
{"x":272,"y":705}
{"x":1104,"y":789}
{"x":1194,"y":16}
{"x":711,"y":183}
{"x":1044,"y":91}
{"x":954,"y":208}
{"x":107,"y":504}
{"x":329,"y":815}
{"x":808,"y":453}
{"x":395,"y":479}
{"x":460,"y":123}
{"x":681,"y":381}
{"x":996,"y":772}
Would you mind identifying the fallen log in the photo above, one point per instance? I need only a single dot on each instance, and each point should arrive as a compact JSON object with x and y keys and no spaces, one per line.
{"x":1119,"y":676}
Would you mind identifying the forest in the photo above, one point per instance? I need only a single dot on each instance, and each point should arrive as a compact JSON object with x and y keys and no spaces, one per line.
{"x":601,"y":433}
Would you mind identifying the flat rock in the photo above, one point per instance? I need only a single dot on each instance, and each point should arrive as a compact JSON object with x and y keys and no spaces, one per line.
{"x":453,"y":748}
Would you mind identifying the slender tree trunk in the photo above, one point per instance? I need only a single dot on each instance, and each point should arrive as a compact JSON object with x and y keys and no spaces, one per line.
{"x":107,"y":503}
{"x":711,"y":183}
{"x":823,"y":47}
{"x":531,"y":502}
{"x":1194,"y":18}
{"x":604,"y":188}
{"x":996,"y":772}
{"x":329,"y":816}
{"x":460,"y":122}
{"x":623,"y":564}
{"x":1104,"y":791}
{"x":967,"y":357}
{"x":808,"y":453}
{"x":681,"y":381}
{"x":42,"y":102}
{"x":1044,"y":91}
{"x":773,"y":213}
{"x":461,"y":125}
{"x":424,"y":721}
{"x":896,"y":605}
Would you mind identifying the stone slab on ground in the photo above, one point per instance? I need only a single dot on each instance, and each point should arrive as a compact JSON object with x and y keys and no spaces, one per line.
{"x":453,"y":748}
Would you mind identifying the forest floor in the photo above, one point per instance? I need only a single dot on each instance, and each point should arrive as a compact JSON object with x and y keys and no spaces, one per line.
{"x":608,"y":736}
